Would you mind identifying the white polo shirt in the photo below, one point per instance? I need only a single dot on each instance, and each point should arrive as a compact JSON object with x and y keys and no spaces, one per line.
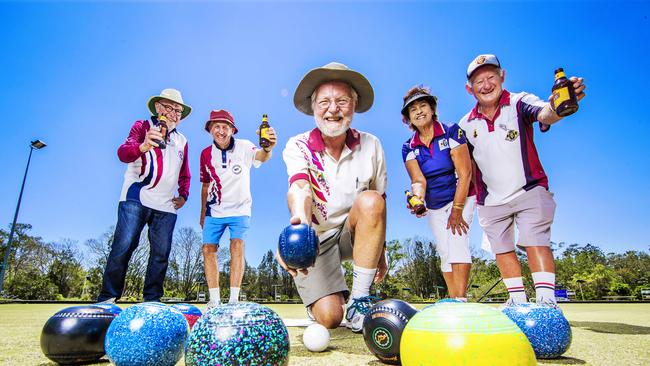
{"x":335,"y":184}
{"x":506,"y":158}
{"x":228,"y":174}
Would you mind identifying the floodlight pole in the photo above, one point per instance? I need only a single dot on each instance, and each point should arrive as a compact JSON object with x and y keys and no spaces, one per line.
{"x":37,"y":144}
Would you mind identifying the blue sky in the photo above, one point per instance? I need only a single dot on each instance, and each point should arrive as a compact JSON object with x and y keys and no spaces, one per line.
{"x":77,"y":75}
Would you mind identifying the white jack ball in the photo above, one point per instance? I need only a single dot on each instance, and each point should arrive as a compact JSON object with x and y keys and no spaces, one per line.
{"x":316,"y":338}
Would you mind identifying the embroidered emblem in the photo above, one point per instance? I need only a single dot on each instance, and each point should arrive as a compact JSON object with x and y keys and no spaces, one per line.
{"x":512,"y":135}
{"x":180,"y":154}
{"x":443,"y":144}
{"x":475,"y":134}
{"x":236,"y":169}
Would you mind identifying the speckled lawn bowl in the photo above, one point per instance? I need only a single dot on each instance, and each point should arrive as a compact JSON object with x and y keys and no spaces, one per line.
{"x":147,"y":334}
{"x":546,"y":328}
{"x":238,"y":334}
{"x":450,"y":334}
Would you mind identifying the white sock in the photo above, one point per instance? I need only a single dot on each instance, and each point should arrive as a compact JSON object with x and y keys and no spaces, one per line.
{"x":361,"y":282}
{"x":234,"y":295}
{"x":544,"y":285}
{"x":515,"y":286}
{"x":461,"y":299}
{"x":215,"y":295}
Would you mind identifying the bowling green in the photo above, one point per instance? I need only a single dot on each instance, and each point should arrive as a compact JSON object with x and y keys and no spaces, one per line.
{"x":603,"y":334}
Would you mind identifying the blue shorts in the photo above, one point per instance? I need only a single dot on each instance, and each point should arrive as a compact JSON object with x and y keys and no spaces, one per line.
{"x":214,"y":227}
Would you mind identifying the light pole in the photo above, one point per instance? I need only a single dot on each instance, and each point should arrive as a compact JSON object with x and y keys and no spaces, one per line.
{"x":36,"y":144}
{"x":275,"y":287}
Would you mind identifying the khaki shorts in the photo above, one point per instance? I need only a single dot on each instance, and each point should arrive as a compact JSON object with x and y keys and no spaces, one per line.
{"x":532,"y":213}
{"x":326,"y":276}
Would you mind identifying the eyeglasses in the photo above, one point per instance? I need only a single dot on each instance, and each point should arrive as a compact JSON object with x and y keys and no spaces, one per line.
{"x":340,"y":102}
{"x":171,"y":109}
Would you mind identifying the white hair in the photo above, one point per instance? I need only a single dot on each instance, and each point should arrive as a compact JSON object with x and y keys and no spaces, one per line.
{"x":500,"y":71}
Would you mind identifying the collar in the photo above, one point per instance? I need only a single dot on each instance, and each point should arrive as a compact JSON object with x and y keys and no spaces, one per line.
{"x":316,"y":143}
{"x":231,"y":145}
{"x":504,"y":100}
{"x":155,"y":121}
{"x":437,"y":131}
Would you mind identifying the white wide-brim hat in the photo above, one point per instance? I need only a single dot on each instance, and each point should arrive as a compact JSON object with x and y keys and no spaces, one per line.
{"x":171,"y":95}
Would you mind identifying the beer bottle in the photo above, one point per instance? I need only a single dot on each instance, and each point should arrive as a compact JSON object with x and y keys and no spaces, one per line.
{"x":264,"y":132}
{"x":564,"y":96}
{"x":415,"y":203}
{"x":162,"y":123}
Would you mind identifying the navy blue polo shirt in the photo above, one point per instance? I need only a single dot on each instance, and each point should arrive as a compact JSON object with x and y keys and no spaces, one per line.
{"x":435,"y":162}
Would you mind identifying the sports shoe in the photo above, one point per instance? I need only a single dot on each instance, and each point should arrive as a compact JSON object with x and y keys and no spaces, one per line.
{"x":357,"y":310}
{"x":212,"y":304}
{"x":546,"y":301}
{"x":110,"y":301}
{"x":511,"y":302}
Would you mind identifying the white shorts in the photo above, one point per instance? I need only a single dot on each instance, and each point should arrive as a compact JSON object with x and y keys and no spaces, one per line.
{"x":452,"y":248}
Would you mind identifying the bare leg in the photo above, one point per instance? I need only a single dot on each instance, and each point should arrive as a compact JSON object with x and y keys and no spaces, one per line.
{"x":461,"y":278}
{"x":328,"y":310}
{"x":237,"y":262}
{"x":210,"y":265}
{"x":540,"y":259}
{"x":367,"y":221}
{"x":449,"y":280}
{"x":509,"y":265}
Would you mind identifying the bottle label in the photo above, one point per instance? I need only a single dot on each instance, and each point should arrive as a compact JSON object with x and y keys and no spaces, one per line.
{"x":414,"y":201}
{"x":560,"y":96}
{"x":264,"y":133}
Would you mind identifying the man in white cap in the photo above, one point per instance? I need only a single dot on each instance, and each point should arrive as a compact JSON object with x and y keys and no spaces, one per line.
{"x":512,"y":187}
{"x":226,"y":198}
{"x":337,"y":184}
{"x":156,"y":157}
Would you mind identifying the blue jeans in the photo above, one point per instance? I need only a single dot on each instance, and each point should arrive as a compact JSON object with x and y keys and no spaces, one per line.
{"x":131,"y":218}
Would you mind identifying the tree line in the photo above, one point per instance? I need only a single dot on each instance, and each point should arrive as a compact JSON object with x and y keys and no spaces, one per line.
{"x":67,"y":270}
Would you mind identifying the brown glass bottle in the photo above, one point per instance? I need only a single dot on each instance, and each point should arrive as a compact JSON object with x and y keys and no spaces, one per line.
{"x":415,"y":203}
{"x":162,"y":123}
{"x":264,"y":132}
{"x":564,"y":97}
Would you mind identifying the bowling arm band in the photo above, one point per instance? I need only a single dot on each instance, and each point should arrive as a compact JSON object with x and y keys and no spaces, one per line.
{"x":299,"y":197}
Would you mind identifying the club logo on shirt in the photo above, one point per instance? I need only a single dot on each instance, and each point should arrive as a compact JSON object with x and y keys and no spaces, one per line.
{"x":461,"y":133}
{"x":512,"y":135}
{"x":416,"y":152}
{"x":443,"y":144}
{"x":475,"y":134}
{"x":236,"y":169}
{"x":180,"y":155}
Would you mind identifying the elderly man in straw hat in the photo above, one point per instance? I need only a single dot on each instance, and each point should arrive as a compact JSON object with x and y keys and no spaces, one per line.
{"x":156,"y":157}
{"x":337,"y":183}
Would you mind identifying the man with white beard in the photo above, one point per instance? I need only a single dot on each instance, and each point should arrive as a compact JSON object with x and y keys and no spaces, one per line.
{"x":337,"y":184}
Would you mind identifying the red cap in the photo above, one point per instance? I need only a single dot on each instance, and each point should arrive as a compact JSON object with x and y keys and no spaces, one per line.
{"x":221,"y":115}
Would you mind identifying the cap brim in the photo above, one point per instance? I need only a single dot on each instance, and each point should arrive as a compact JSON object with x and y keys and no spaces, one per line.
{"x":417,"y":97}
{"x":186,"y":108}
{"x":207,"y":124}
{"x":315,"y":77}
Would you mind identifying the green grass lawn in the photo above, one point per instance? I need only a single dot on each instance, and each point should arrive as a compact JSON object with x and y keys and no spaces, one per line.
{"x":603,"y":334}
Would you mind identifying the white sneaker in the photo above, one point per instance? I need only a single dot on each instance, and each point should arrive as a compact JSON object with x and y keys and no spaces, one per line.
{"x":212,"y":304}
{"x":511,"y":302}
{"x":547,"y":301}
{"x":357,"y":310}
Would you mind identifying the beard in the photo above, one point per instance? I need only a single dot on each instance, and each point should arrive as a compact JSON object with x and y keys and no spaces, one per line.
{"x":332,"y":129}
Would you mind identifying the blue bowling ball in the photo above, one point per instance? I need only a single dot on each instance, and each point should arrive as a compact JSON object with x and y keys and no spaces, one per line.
{"x":545,"y":327}
{"x":238,"y":334}
{"x":298,"y":246}
{"x":76,"y":334}
{"x":147,"y":334}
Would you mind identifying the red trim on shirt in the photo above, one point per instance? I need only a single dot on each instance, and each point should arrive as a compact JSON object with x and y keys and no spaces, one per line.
{"x":316,"y":143}
{"x":298,"y":176}
{"x":437,"y":131}
{"x":504,"y":100}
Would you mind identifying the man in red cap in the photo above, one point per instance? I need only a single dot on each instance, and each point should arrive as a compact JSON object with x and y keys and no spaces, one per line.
{"x":226,"y":197}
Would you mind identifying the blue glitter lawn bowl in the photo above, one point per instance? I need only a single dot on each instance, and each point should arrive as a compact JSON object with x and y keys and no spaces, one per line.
{"x":298,"y":246}
{"x":545,"y":327}
{"x":147,"y":334}
{"x":238,"y":334}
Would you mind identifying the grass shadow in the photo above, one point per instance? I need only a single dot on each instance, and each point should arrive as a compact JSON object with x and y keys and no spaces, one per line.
{"x":101,"y":361}
{"x":563,"y":361}
{"x":611,"y":328}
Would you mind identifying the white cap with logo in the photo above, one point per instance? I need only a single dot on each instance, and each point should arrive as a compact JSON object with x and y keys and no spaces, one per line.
{"x":482,"y":60}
